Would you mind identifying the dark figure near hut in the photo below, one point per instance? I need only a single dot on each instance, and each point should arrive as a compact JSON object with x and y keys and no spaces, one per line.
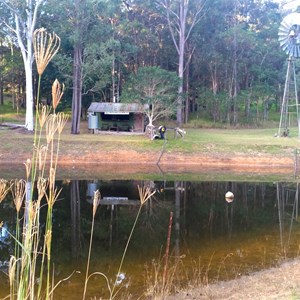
{"x":162,"y":131}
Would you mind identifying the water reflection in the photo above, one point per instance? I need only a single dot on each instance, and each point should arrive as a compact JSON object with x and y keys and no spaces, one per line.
{"x":75,"y":219}
{"x":254,"y":231}
{"x":287,"y":202}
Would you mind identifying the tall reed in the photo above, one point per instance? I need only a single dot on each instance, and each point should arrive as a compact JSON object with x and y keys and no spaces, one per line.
{"x":25,"y":276}
{"x":39,"y":186}
{"x":45,"y":46}
{"x":96,"y":201}
{"x":18,"y":192}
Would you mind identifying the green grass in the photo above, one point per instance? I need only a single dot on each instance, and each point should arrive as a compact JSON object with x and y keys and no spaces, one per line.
{"x":10,"y":114}
{"x":233,"y":141}
{"x":196,"y":140}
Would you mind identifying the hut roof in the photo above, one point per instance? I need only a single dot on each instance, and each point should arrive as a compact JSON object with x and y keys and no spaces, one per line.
{"x":117,"y":108}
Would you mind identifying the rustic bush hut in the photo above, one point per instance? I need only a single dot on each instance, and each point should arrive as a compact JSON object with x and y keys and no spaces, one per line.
{"x":116,"y":116}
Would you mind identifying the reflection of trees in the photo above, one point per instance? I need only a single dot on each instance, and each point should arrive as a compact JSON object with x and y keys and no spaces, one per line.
{"x":178,"y":192}
{"x":200,"y":213}
{"x":287,"y":204}
{"x":75,"y":219}
{"x":208,"y":214}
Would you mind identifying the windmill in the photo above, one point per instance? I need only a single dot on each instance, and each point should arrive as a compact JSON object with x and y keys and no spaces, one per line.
{"x":289,"y":38}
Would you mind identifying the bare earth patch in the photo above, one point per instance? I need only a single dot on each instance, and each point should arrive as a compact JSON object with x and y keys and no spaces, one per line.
{"x":130,"y":161}
{"x":280,"y":283}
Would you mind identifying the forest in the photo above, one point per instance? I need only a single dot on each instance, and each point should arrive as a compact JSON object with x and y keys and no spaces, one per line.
{"x":225,"y":54}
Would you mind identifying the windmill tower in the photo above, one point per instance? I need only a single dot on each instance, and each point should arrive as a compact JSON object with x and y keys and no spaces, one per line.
{"x":289,"y":38}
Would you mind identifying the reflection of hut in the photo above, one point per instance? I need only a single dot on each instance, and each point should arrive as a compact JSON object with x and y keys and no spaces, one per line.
{"x":114,"y":192}
{"x":116,"y":116}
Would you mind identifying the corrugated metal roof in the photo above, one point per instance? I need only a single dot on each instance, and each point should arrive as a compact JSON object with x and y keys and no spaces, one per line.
{"x":111,"y":107}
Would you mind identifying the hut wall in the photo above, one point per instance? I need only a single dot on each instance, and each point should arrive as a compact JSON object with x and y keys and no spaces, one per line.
{"x":138,"y":122}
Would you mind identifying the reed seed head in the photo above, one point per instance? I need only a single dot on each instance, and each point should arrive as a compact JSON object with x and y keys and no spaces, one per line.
{"x":41,"y":154}
{"x":48,"y":239}
{"x":42,"y":184}
{"x":57,"y":93}
{"x":52,"y":175}
{"x":52,"y":197}
{"x":45,"y":47}
{"x":43,"y":113}
{"x":31,"y":212}
{"x":96,"y":201}
{"x":28,"y":167}
{"x":12,"y":270}
{"x":51,"y":127}
{"x":62,"y":119}
{"x":145,"y":193}
{"x":4,"y":188}
{"x":18,"y":189}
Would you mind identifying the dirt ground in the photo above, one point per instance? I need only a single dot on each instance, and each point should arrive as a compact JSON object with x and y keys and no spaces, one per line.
{"x":280,"y":283}
{"x":121,"y":162}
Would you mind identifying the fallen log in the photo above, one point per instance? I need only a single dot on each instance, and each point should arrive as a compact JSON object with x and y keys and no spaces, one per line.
{"x":11,"y":125}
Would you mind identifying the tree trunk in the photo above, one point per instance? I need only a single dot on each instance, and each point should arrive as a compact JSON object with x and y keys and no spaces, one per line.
{"x":181,"y":19}
{"x":1,"y":90}
{"x":77,"y":89}
{"x":180,"y":91}
{"x":181,"y":46}
{"x":187,"y":97}
{"x":27,"y":52}
{"x":29,"y":123}
{"x":75,"y":219}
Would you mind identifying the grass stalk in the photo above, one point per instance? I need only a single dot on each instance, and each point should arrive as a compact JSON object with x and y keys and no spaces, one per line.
{"x":36,"y":141}
{"x":96,"y":201}
{"x":145,"y":193}
{"x":165,"y":274}
{"x":112,"y":296}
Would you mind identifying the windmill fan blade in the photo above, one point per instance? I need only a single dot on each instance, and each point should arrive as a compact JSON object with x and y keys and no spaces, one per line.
{"x":289,"y":35}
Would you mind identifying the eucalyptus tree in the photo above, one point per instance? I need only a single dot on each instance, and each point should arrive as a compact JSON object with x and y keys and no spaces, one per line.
{"x":242,"y":37}
{"x":146,"y":29}
{"x":80,"y":23}
{"x":92,"y":33}
{"x":182,"y":16}
{"x":18,"y":20}
{"x":154,"y":87}
{"x":72,"y":20}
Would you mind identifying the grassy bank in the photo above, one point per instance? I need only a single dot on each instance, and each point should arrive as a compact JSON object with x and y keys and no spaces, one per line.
{"x":248,"y":141}
{"x":205,"y":153}
{"x":204,"y":140}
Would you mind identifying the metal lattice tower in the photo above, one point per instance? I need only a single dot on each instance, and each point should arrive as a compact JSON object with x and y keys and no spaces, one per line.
{"x":290,"y":100}
{"x":289,"y":38}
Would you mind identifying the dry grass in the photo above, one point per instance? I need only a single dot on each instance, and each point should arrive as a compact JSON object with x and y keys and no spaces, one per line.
{"x":280,"y":283}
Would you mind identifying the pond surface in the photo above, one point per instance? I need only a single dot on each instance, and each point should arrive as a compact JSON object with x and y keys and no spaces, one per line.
{"x":211,"y":239}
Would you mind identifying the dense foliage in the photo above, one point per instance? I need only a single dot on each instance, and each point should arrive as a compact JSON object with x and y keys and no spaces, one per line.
{"x":234,"y":69}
